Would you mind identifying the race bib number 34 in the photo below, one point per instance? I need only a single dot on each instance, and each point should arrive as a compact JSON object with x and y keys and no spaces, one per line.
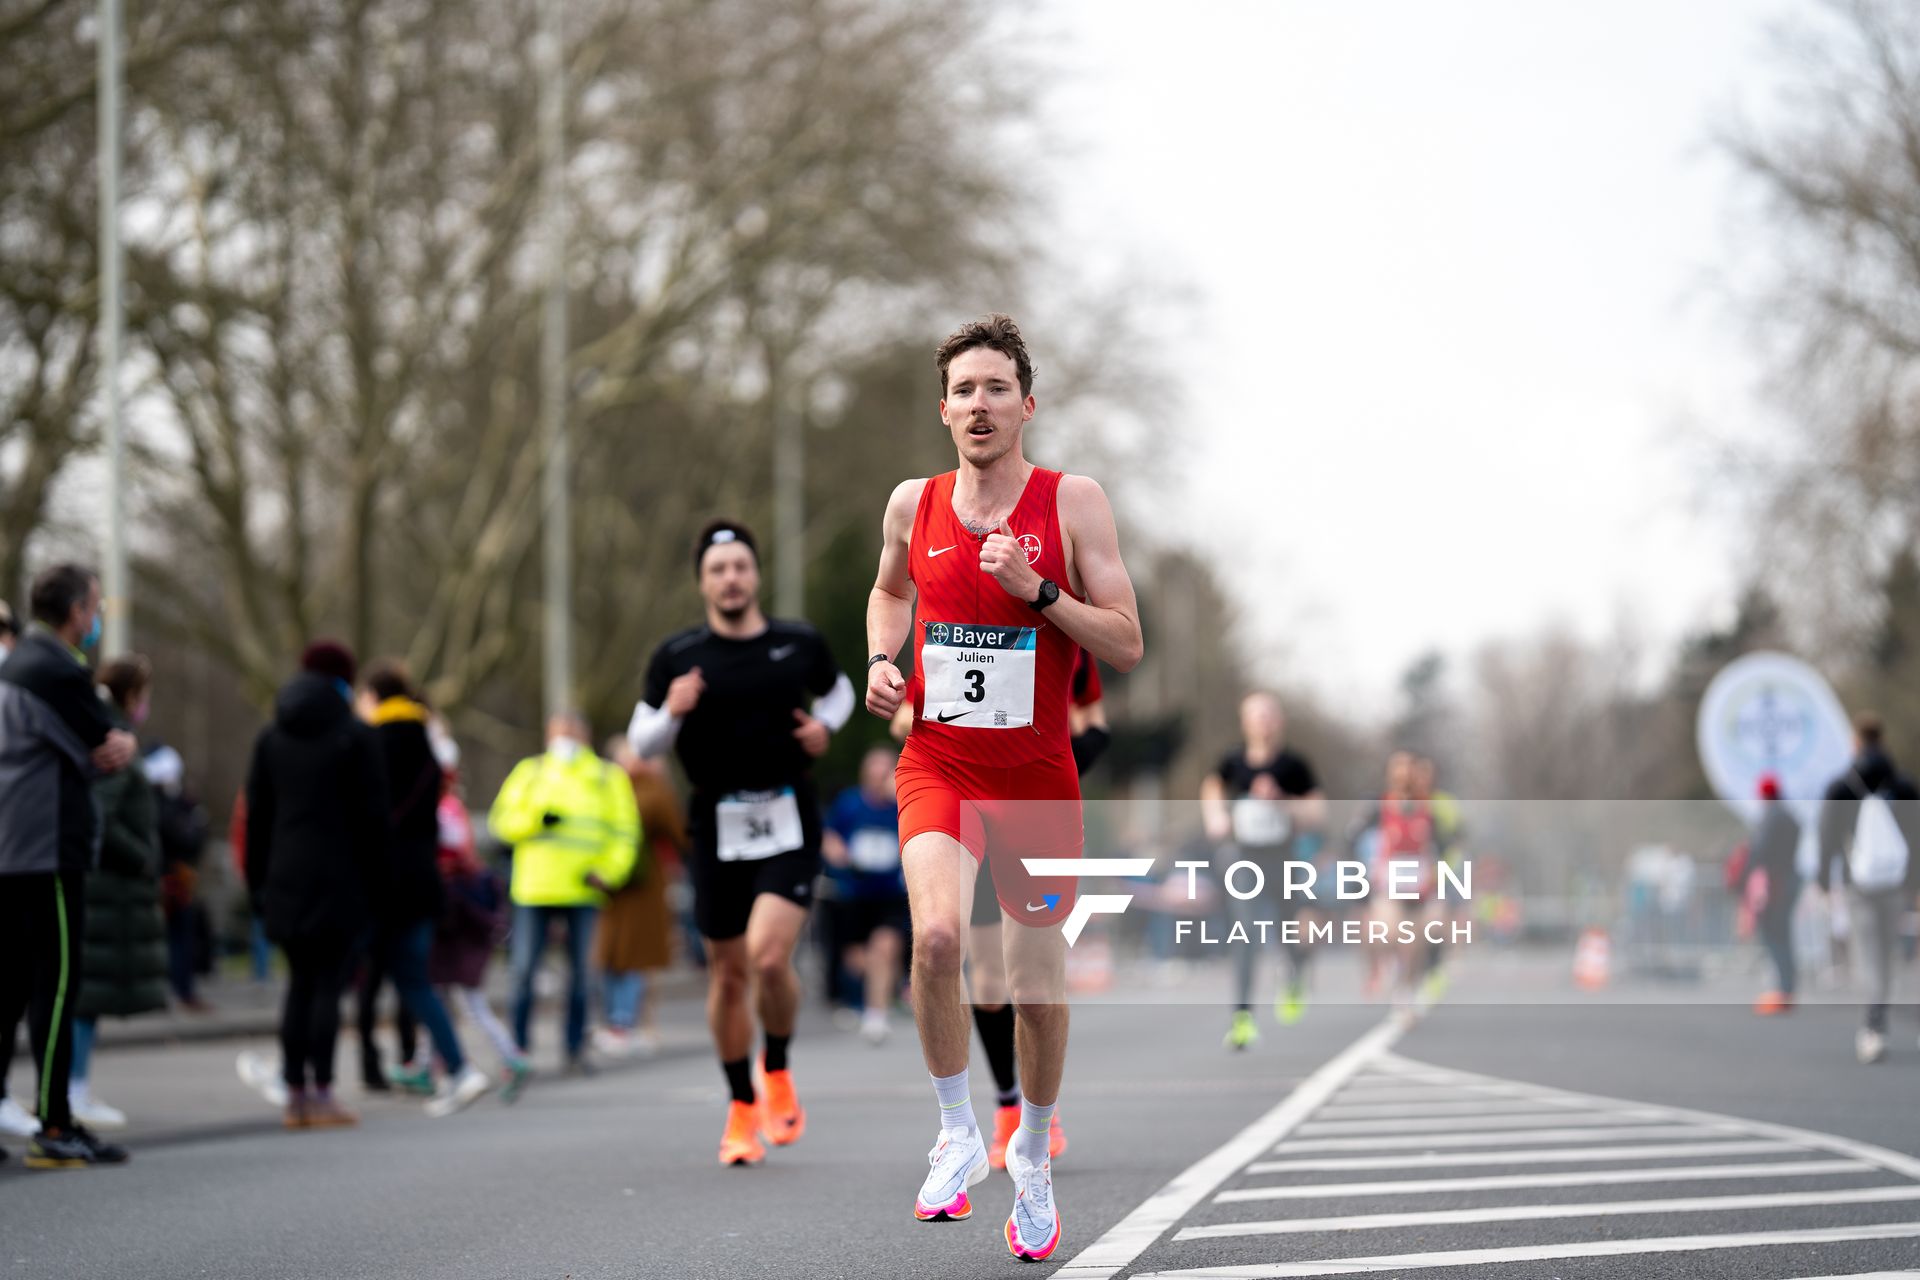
{"x":979,"y":677}
{"x":758,"y":824}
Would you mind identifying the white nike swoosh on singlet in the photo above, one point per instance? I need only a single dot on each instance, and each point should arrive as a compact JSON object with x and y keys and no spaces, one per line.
{"x":931,"y":553}
{"x":775,"y":655}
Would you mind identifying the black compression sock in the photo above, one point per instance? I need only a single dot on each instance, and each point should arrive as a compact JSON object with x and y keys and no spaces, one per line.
{"x":996,"y":1036}
{"x":776,"y":1055}
{"x":739,"y":1080}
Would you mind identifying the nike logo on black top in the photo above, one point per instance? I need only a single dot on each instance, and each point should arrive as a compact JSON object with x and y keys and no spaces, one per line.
{"x":775,"y":655}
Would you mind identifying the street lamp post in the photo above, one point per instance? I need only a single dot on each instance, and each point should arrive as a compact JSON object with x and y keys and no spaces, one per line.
{"x":119,"y":619}
{"x":556,"y":513}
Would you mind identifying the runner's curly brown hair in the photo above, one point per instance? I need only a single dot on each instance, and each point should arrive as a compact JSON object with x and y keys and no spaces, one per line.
{"x":997,"y":333}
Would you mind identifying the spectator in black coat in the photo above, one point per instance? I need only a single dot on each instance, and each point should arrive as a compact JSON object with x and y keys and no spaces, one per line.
{"x":317,"y":838}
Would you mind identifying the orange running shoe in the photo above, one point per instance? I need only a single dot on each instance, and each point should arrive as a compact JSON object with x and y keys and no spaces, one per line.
{"x":781,"y":1118}
{"x":1056,"y":1139}
{"x":740,"y":1144}
{"x":1773,"y":1002}
{"x":1005,"y":1121}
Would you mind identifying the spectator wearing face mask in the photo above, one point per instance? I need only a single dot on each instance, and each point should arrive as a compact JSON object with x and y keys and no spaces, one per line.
{"x":56,"y":738}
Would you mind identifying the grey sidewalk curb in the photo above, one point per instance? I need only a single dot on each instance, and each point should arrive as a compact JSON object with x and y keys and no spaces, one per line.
{"x":263,"y":1019}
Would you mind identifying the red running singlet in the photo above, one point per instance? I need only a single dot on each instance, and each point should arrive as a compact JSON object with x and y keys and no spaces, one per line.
{"x":991,"y":677}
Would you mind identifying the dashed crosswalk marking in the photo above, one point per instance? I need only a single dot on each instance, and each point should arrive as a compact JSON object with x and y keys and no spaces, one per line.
{"x":1537,"y":1212}
{"x":1481,"y":1151}
{"x":1561,"y":1155}
{"x":1526,"y":1181}
{"x":1476,"y":1124}
{"x":1541,"y":1253}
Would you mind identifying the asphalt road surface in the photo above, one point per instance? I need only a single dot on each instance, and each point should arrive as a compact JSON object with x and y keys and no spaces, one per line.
{"x":1520,"y":1141}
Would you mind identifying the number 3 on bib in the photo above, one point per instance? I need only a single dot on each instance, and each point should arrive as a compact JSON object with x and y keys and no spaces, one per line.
{"x":979,"y":677}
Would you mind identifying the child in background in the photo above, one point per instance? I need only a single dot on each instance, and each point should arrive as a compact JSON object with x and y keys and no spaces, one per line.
{"x":474,"y":920}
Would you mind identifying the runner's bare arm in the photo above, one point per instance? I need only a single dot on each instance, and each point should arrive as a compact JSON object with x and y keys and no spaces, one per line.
{"x":1213,"y":808}
{"x":890,"y":604}
{"x":1107,"y":625}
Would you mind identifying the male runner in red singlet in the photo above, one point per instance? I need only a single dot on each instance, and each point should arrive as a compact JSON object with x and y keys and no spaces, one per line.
{"x":1000,"y":569}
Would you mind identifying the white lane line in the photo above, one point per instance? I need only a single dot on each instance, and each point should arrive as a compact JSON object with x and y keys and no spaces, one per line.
{"x":1482,"y":1124}
{"x":1540,"y":1253}
{"x":1423,"y":1142}
{"x":1389,"y":1088}
{"x":1559,"y":1155}
{"x":1136,"y":1232}
{"x":1555,"y":1212}
{"x":1477,"y":1107}
{"x":1430,"y":1097}
{"x":1893,"y":1161}
{"x":1526,"y":1181}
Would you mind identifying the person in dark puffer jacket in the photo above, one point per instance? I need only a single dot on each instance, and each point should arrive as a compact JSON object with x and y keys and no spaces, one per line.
{"x":123,"y":958}
{"x":316,"y":838}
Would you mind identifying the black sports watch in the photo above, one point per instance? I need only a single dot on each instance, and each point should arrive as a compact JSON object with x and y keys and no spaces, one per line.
{"x":878,"y":657}
{"x":1049,"y":594}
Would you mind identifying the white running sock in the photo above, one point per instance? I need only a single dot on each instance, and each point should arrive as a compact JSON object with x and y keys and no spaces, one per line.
{"x":956,"y":1104}
{"x":1030,"y":1139}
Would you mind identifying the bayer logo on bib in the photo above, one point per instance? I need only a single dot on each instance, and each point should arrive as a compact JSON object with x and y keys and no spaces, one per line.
{"x":979,"y":677}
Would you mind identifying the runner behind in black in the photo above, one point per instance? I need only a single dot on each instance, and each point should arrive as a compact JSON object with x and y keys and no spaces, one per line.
{"x":1263,"y":804}
{"x":748,"y":704}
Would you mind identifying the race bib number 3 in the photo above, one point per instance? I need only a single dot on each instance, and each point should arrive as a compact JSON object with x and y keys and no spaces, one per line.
{"x":979,"y":677}
{"x":758,"y":824}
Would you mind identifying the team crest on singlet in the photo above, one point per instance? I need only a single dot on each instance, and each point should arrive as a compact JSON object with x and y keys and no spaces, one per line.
{"x":1030,"y":543}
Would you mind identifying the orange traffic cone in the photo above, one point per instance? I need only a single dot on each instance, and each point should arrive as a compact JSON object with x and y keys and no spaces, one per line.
{"x":1592,"y":960}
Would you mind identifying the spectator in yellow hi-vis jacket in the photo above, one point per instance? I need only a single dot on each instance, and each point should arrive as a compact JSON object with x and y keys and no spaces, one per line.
{"x":575,"y":832}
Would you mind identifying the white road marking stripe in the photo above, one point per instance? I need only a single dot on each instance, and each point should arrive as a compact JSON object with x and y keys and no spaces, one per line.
{"x":1524,"y":1181}
{"x":1894,"y":1161}
{"x":1428,"y":1093}
{"x":1422,"y":1142}
{"x":1136,"y":1232}
{"x":1554,"y":1212}
{"x":1559,"y":1155}
{"x":1477,"y":1107}
{"x":1539,"y":1253}
{"x":1469,"y":1124}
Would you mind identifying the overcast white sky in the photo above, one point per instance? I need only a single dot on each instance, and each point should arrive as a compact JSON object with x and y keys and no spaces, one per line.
{"x":1450,"y":268}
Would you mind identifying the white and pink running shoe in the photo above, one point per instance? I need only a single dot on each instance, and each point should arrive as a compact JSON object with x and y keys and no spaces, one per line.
{"x":959,"y":1160}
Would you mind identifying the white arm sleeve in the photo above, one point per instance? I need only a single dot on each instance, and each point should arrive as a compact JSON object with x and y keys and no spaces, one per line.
{"x":651,"y":731}
{"x":834,"y":707}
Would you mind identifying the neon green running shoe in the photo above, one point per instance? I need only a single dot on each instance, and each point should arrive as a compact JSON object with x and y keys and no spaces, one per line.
{"x":1242,"y":1033}
{"x":1291,"y":1006}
